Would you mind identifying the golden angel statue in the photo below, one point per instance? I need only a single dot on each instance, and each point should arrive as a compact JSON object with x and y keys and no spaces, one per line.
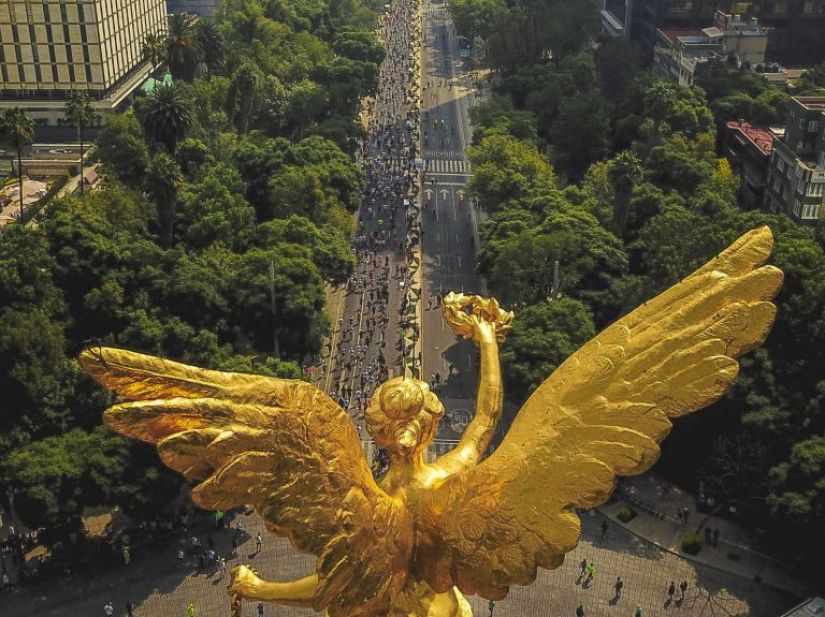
{"x":413,"y":542}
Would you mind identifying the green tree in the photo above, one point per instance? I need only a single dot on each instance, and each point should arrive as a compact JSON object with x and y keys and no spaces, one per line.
{"x":543,"y":336}
{"x":17,"y":128}
{"x":329,"y":246}
{"x":154,"y":49}
{"x":183,"y":48}
{"x":625,"y":172}
{"x":162,"y":184}
{"x":506,"y":168}
{"x":123,"y":151}
{"x":214,"y":210}
{"x":209,"y":38}
{"x":79,"y":111}
{"x":166,"y":116}
{"x":580,"y":134}
{"x":243,"y":97}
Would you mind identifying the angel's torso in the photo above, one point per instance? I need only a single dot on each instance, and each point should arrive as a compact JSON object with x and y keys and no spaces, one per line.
{"x":417,"y":598}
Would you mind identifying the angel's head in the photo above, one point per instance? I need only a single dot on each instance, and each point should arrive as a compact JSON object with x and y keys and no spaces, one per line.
{"x":403,"y":416}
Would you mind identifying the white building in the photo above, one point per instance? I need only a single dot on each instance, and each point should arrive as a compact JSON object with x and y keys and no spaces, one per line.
{"x":48,"y":48}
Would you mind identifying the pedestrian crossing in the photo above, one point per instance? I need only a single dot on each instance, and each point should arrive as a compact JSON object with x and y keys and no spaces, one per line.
{"x":442,"y":166}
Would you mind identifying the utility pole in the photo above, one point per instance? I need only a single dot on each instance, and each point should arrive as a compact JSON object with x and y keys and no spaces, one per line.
{"x":276,"y":348}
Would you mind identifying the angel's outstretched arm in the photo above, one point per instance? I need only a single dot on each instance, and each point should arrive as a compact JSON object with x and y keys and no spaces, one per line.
{"x":486,"y":326}
{"x":248,"y":586}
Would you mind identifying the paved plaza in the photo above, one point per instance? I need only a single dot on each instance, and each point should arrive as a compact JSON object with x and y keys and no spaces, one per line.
{"x":159,"y":587}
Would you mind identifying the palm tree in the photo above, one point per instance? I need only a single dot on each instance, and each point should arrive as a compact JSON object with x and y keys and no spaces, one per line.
{"x":211,"y":42}
{"x":18,"y":129}
{"x":79,"y":111}
{"x":154,"y":49}
{"x":166,"y":115}
{"x":242,"y":96}
{"x":163,"y":180}
{"x":183,"y":50}
{"x":624,"y":173}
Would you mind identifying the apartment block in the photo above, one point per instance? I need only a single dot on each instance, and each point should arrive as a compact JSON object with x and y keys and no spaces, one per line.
{"x":796,"y":172}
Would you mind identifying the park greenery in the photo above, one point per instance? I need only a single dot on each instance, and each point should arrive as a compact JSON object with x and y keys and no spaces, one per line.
{"x":583,"y":158}
{"x":239,"y":177}
{"x":226,"y":206}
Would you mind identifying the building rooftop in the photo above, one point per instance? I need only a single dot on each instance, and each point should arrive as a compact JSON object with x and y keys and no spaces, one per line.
{"x":811,"y":103}
{"x":812,"y":607}
{"x":759,"y":137}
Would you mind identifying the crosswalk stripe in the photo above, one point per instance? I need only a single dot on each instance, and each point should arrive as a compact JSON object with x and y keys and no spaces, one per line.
{"x":451,"y":166}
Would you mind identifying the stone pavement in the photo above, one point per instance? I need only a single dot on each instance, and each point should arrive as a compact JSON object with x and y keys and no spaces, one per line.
{"x":657,"y":521}
{"x":159,"y":587}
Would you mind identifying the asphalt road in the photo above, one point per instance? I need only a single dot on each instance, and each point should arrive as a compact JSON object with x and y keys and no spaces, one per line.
{"x":450,"y":224}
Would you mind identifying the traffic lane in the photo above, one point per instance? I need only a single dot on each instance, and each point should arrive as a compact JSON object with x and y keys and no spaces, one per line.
{"x":448,"y":252}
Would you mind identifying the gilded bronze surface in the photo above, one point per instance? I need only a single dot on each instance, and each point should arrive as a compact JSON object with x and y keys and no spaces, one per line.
{"x":414,"y":542}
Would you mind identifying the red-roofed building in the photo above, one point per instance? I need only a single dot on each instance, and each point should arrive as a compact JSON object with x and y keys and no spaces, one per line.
{"x":748,"y":149}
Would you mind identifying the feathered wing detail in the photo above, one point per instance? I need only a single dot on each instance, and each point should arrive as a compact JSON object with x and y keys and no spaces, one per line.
{"x":282,"y":446}
{"x":602,"y":413}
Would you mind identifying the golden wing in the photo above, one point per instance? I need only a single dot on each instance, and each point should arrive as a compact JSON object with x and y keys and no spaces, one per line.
{"x":280,"y":445}
{"x":602,"y":413}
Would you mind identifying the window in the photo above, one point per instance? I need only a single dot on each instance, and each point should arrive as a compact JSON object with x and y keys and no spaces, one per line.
{"x":780,"y":164}
{"x":808,"y":7}
{"x":796,"y":207}
{"x":813,"y":125}
{"x":810,"y":211}
{"x":780,"y":7}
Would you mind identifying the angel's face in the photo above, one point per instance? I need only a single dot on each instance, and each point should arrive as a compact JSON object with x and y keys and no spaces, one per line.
{"x":403,"y":416}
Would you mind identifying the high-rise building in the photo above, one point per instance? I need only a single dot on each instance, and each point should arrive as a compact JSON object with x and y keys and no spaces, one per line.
{"x":48,"y":48}
{"x":796,"y":171}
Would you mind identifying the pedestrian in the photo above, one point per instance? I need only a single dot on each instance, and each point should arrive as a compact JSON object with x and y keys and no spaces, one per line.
{"x":583,"y":566}
{"x":580,"y":611}
{"x":716,"y":537}
{"x":127,"y":557}
{"x":260,"y":609}
{"x":671,"y":590}
{"x":258,"y":542}
{"x":685,"y":514}
{"x":491,"y":605}
{"x":591,"y":572}
{"x":5,"y":581}
{"x":708,"y":539}
{"x":638,"y":612}
{"x":604,"y":529}
{"x":619,"y":585}
{"x":130,"y":609}
{"x":190,"y":610}
{"x":109,"y":608}
{"x":683,"y":588}
{"x":181,"y":556}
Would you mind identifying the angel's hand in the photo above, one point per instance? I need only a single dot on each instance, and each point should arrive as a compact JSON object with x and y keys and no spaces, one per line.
{"x":244,"y":583}
{"x":476,"y":318}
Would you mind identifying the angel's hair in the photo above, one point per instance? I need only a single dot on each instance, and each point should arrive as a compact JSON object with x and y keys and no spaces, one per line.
{"x":400,"y":398}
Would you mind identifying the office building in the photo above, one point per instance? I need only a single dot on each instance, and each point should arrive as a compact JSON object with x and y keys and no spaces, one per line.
{"x":48,"y":48}
{"x":796,"y":172}
{"x":205,"y":8}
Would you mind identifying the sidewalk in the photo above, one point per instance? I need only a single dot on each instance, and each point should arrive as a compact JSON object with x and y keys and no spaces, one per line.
{"x":656,"y":521}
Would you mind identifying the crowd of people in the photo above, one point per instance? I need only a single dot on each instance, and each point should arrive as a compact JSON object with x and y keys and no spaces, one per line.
{"x":378,"y":336}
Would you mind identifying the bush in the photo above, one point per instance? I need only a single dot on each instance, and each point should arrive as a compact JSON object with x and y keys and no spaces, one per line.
{"x":626,"y":515}
{"x":691,"y":543}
